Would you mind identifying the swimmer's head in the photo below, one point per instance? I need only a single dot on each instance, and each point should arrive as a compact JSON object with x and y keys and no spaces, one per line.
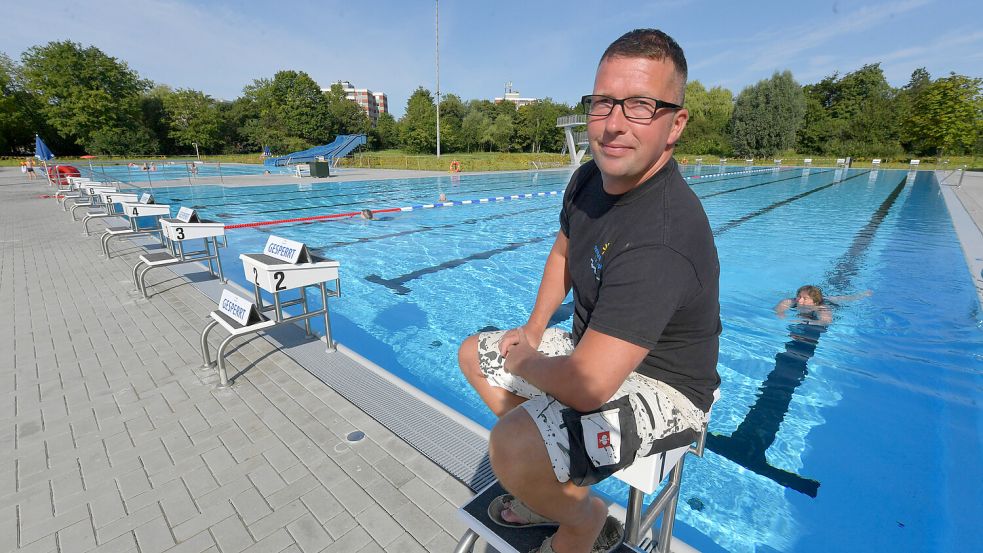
{"x":809,"y":295}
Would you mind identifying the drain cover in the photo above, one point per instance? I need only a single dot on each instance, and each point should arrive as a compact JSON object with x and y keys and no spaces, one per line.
{"x":355,"y":436}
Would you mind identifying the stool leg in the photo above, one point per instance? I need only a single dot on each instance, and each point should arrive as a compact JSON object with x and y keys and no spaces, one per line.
{"x":634,"y":515}
{"x":205,"y":358}
{"x":143,"y":282}
{"x":669,"y":515}
{"x":467,"y":542}
{"x":223,"y":374}
{"x":135,"y":281}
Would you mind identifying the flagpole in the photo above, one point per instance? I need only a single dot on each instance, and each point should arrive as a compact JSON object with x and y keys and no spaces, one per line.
{"x":436,"y":32}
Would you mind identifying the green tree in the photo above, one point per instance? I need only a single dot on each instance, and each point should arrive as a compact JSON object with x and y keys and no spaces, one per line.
{"x":947,"y":115}
{"x":386,"y":132}
{"x":867,"y":104}
{"x":344,"y":115}
{"x":301,"y":106}
{"x":452,"y":113}
{"x":859,"y":115}
{"x":234,"y":119}
{"x":153,"y":118}
{"x":293,"y":112}
{"x":820,"y":133}
{"x":418,"y":127}
{"x":15,"y":110}
{"x":502,"y":132}
{"x":193,"y":118}
{"x":709,"y":116}
{"x":87,"y":96}
{"x":536,"y":126}
{"x":905,"y":99}
{"x":473,"y":129}
{"x":767,"y":116}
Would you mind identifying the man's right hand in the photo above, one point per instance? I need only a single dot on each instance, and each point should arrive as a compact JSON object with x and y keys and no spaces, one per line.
{"x":511,"y":338}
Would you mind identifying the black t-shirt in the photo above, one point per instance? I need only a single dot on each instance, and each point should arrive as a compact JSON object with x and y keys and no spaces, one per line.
{"x":644,"y":269}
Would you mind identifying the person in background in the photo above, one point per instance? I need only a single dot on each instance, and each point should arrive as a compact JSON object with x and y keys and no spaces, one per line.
{"x":812,"y":306}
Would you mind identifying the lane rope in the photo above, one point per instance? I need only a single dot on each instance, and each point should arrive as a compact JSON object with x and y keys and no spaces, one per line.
{"x":352,"y":214}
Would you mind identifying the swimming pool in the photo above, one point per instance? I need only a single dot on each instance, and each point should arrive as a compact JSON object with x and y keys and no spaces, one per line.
{"x":171,"y":170}
{"x":866,"y":435}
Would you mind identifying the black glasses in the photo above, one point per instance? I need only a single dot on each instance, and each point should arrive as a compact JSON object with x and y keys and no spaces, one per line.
{"x":636,"y":108}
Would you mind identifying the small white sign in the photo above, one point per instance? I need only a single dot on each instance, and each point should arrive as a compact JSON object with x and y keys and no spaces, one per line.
{"x":185,"y":214}
{"x":146,"y":197}
{"x":283,"y":249}
{"x":237,"y":307}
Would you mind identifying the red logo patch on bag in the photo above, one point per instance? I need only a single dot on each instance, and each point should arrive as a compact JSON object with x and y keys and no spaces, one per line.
{"x":603,"y":439}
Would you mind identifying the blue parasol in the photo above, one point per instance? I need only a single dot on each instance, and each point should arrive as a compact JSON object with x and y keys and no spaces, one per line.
{"x":41,"y":150}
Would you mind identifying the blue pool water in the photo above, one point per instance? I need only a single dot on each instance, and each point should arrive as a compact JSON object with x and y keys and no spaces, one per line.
{"x":865,"y":436}
{"x":169,"y":171}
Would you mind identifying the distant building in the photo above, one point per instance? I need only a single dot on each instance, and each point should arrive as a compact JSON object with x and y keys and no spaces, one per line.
{"x":373,"y":103}
{"x":513,"y":96}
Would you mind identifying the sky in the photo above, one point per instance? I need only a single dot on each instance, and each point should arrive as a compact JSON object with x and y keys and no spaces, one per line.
{"x":544,"y":48}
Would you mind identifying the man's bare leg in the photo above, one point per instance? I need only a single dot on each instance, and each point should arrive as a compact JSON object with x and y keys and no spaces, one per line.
{"x":519,"y":459}
{"x":499,"y":400}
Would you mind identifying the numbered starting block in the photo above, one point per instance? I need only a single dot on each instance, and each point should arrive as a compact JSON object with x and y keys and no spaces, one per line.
{"x":177,"y":232}
{"x":283,"y":266}
{"x":72,"y":191}
{"x":88,"y":197}
{"x":133,"y":212}
{"x":643,"y":477}
{"x":110,"y":202}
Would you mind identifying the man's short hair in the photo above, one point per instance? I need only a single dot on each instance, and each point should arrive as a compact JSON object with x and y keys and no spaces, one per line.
{"x":651,"y":44}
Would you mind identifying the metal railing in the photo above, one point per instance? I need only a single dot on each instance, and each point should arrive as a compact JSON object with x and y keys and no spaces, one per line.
{"x":579,"y":119}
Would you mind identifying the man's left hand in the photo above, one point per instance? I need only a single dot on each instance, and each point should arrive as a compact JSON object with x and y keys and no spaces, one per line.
{"x":520,"y":353}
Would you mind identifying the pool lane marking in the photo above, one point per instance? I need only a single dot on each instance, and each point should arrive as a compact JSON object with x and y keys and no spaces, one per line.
{"x":417,"y":206}
{"x":747,"y":445}
{"x":745,"y":218}
{"x":738,"y":189}
{"x":397,"y":284}
{"x":351,"y":214}
{"x":324,"y":251}
{"x":332,"y":194}
{"x":324,"y":192}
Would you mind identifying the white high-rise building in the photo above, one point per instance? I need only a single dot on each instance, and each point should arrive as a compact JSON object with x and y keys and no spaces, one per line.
{"x":513,"y":96}
{"x":373,"y":103}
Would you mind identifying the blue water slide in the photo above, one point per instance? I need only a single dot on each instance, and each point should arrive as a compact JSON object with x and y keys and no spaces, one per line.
{"x":342,"y":145}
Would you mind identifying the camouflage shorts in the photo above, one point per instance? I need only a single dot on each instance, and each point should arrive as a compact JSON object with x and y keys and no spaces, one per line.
{"x":660,"y":411}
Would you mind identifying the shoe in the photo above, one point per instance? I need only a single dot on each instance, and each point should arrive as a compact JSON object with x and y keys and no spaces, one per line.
{"x":607,"y":541}
{"x":509,"y":501}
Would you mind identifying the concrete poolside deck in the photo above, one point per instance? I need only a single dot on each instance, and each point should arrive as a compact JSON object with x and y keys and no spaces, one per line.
{"x":963,"y":194}
{"x":115,"y":441}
